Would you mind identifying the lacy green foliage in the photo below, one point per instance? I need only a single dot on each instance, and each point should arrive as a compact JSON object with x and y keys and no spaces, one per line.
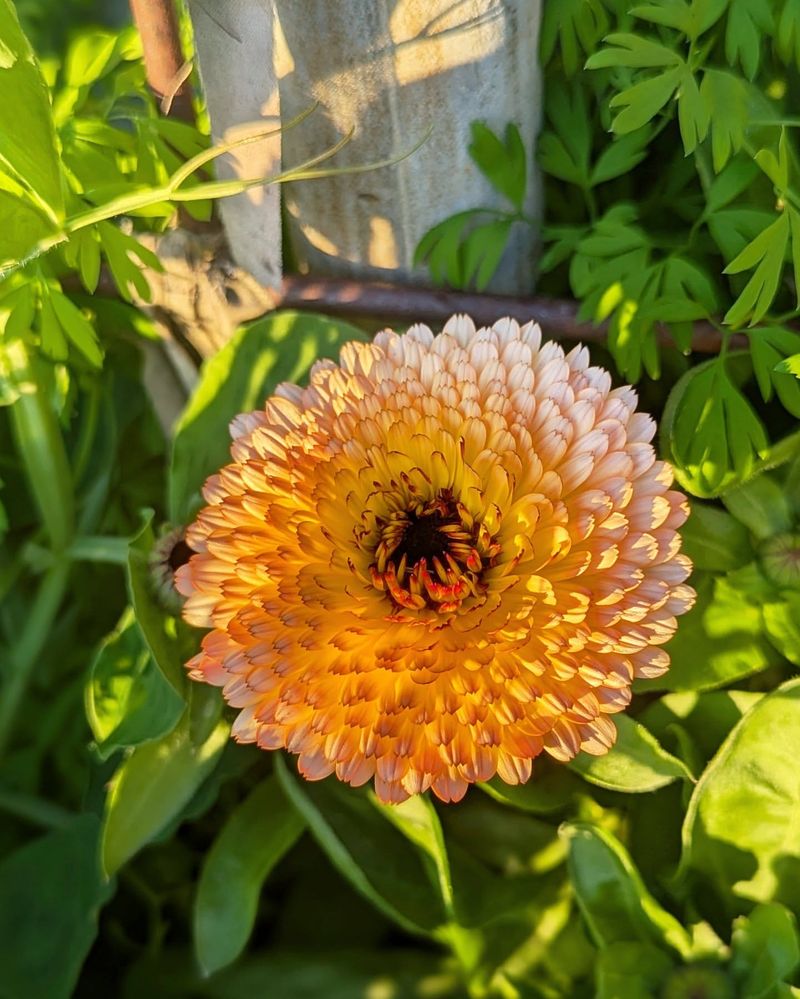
{"x":92,"y":134}
{"x":671,"y":191}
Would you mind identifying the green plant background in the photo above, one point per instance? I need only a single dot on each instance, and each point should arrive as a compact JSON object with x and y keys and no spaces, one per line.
{"x":144,"y":853}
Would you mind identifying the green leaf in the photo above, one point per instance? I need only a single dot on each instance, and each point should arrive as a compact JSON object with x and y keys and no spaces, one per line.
{"x":636,"y":763}
{"x":120,"y":250}
{"x":790,"y":366}
{"x":769,"y":346}
{"x":24,"y":97}
{"x":502,"y":162}
{"x":550,"y":789}
{"x":51,"y":891}
{"x":725,"y":97}
{"x":255,"y":837}
{"x":734,"y":179}
{"x":748,"y":22}
{"x":787,"y":37}
{"x":152,"y":786}
{"x":281,"y":347}
{"x":573,"y":27}
{"x":761,"y":505}
{"x":642,"y":102}
{"x":156,"y":625}
{"x":564,"y":151}
{"x":782,"y":624}
{"x":441,"y":248}
{"x":714,"y":540}
{"x":90,"y":56}
{"x":611,"y":894}
{"x":631,"y":971}
{"x":128,"y":701}
{"x":741,"y":833}
{"x":719,"y":641}
{"x":23,"y":226}
{"x":707,"y":717}
{"x":417,"y":820}
{"x":694,"y":116}
{"x":766,"y":254}
{"x":621,"y":156}
{"x":77,"y":328}
{"x":483,"y":249}
{"x":765,"y":950}
{"x":714,"y":434}
{"x":634,"y":52}
{"x":376,"y":859}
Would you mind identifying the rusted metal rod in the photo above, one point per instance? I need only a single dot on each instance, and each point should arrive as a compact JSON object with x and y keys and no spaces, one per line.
{"x":395,"y":303}
{"x":157,"y":23}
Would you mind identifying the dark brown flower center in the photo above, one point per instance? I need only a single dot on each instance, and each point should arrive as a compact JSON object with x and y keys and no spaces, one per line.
{"x":432,"y":555}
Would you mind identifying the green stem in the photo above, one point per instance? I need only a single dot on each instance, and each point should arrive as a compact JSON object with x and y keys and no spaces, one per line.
{"x":40,"y":445}
{"x":26,"y":651}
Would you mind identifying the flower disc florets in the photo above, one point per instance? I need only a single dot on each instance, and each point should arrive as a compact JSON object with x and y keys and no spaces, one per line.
{"x":445,"y":556}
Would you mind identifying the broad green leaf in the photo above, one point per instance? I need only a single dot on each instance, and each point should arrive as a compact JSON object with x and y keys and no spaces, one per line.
{"x":281,"y":347}
{"x":714,"y":540}
{"x":765,"y":950}
{"x":707,"y":717}
{"x":635,"y":764}
{"x":374,"y":857}
{"x":741,"y":835}
{"x":255,"y":838}
{"x":152,"y":786}
{"x":611,"y":894}
{"x":417,"y":820}
{"x":719,"y":641}
{"x":284,"y":971}
{"x":503,"y":838}
{"x":550,"y":789}
{"x":51,"y":891}
{"x":761,"y":505}
{"x":24,"y":98}
{"x":502,"y":161}
{"x":23,"y":226}
{"x":128,"y":700}
{"x":631,"y":971}
{"x":156,"y":625}
{"x":782,"y":624}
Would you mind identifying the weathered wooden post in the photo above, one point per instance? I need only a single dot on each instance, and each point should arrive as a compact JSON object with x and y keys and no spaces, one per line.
{"x":391,"y":69}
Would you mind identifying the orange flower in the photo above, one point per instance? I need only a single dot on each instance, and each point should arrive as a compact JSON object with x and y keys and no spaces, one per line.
{"x":446,"y":555}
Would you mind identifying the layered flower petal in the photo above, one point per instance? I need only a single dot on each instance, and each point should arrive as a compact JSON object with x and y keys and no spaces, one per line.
{"x":445,"y":556}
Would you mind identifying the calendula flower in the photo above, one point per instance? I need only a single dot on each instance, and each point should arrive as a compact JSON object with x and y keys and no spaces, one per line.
{"x":447,"y":555}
